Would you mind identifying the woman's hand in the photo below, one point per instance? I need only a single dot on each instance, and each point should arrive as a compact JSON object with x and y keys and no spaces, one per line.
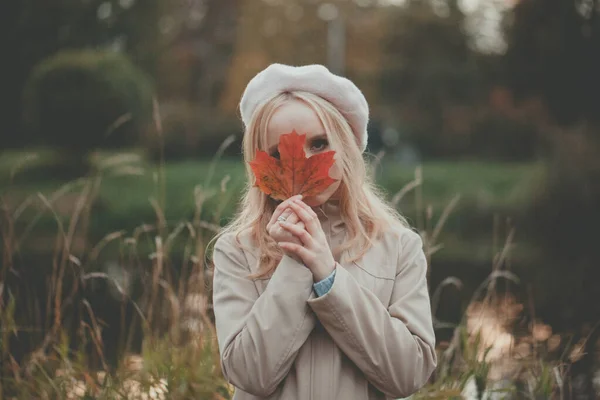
{"x":313,"y":249}
{"x":275,"y":229}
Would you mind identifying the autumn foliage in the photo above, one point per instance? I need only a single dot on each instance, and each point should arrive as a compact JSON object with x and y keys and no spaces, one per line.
{"x":293,"y":173}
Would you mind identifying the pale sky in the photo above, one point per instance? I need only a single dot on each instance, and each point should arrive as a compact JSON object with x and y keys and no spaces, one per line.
{"x":484,"y":19}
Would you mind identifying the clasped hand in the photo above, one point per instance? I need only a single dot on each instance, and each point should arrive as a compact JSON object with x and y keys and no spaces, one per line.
{"x":301,"y":236}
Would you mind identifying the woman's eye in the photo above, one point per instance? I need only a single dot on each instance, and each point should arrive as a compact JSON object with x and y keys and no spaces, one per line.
{"x":275,"y":154}
{"x":319,"y":145}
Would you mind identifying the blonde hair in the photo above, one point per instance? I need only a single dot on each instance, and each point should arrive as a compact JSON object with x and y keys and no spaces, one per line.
{"x":362,"y":207}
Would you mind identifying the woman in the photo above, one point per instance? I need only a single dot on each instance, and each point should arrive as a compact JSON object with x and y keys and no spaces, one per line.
{"x":322,"y":297}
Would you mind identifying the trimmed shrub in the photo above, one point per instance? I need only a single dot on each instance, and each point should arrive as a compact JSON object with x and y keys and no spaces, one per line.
{"x":84,"y":99}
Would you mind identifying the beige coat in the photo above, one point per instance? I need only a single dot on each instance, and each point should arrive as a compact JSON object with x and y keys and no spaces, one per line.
{"x":369,"y":337}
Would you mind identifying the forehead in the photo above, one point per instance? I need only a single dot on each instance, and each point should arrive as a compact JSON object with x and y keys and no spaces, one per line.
{"x":293,"y":115}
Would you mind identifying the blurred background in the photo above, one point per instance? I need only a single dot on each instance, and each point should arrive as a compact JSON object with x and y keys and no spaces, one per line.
{"x":120,"y":158}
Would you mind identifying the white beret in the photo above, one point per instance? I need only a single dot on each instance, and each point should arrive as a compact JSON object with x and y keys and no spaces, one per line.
{"x":316,"y":79}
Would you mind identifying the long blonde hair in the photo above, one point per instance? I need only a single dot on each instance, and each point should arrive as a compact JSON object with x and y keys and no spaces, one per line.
{"x":362,"y":207}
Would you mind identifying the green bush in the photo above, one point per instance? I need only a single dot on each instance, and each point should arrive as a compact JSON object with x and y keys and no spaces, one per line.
{"x":85,"y":99}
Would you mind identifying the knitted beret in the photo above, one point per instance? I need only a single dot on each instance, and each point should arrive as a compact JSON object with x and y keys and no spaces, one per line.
{"x":316,"y":79}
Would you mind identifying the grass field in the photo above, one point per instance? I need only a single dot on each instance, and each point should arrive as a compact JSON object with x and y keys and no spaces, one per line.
{"x":159,"y":277}
{"x":128,"y":182}
{"x":128,"y":187}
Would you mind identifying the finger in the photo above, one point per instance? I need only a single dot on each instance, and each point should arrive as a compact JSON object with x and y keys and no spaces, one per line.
{"x":281,"y":208}
{"x":309,"y":210}
{"x":288,"y":237}
{"x":286,"y":214}
{"x":311,"y":221}
{"x":283,"y":205}
{"x":296,"y":249}
{"x":292,"y":218}
{"x":282,"y":234}
{"x":275,"y":224}
{"x":300,"y":233}
{"x":305,"y":206}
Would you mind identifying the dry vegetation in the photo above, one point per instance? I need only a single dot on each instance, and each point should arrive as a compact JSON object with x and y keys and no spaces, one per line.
{"x":159,"y":287}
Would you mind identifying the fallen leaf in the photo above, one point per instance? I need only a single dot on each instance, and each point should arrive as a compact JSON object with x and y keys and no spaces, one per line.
{"x":293,"y":173}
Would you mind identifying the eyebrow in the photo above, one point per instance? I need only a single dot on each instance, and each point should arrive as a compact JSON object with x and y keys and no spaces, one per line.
{"x":319,"y":136}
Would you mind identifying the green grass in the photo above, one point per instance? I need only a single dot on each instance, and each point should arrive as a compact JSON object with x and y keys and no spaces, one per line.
{"x":128,"y":197}
{"x":129,"y":186}
{"x":126,"y":189}
{"x":501,"y":182}
{"x":491,"y":183}
{"x":173,"y":353}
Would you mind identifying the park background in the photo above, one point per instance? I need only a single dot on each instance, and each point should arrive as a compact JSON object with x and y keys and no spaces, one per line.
{"x":120,"y":159}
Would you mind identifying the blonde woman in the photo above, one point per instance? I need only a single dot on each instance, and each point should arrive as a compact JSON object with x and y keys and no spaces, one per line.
{"x":322,"y":297}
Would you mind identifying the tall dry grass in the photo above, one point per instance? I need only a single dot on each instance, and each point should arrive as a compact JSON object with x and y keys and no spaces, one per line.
{"x":166,"y":344}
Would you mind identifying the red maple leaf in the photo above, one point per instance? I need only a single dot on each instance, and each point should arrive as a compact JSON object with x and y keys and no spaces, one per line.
{"x":293,"y":173}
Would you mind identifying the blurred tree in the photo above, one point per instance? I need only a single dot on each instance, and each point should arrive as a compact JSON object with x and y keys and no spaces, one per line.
{"x":36,"y":29}
{"x":181,"y":41}
{"x":9,"y":75}
{"x":195,"y":49}
{"x":554,"y":52}
{"x":300,"y":32}
{"x":440,"y":79}
{"x":272,"y":31}
{"x":82,"y":99}
{"x":563,"y":219}
{"x":429,"y":70}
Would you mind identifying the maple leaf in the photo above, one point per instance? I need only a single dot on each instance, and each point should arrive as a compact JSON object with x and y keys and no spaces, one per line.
{"x":293,"y":173}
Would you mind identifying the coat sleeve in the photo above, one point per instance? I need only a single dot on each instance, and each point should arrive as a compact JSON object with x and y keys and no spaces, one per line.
{"x":395,"y":346}
{"x":259,"y":336}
